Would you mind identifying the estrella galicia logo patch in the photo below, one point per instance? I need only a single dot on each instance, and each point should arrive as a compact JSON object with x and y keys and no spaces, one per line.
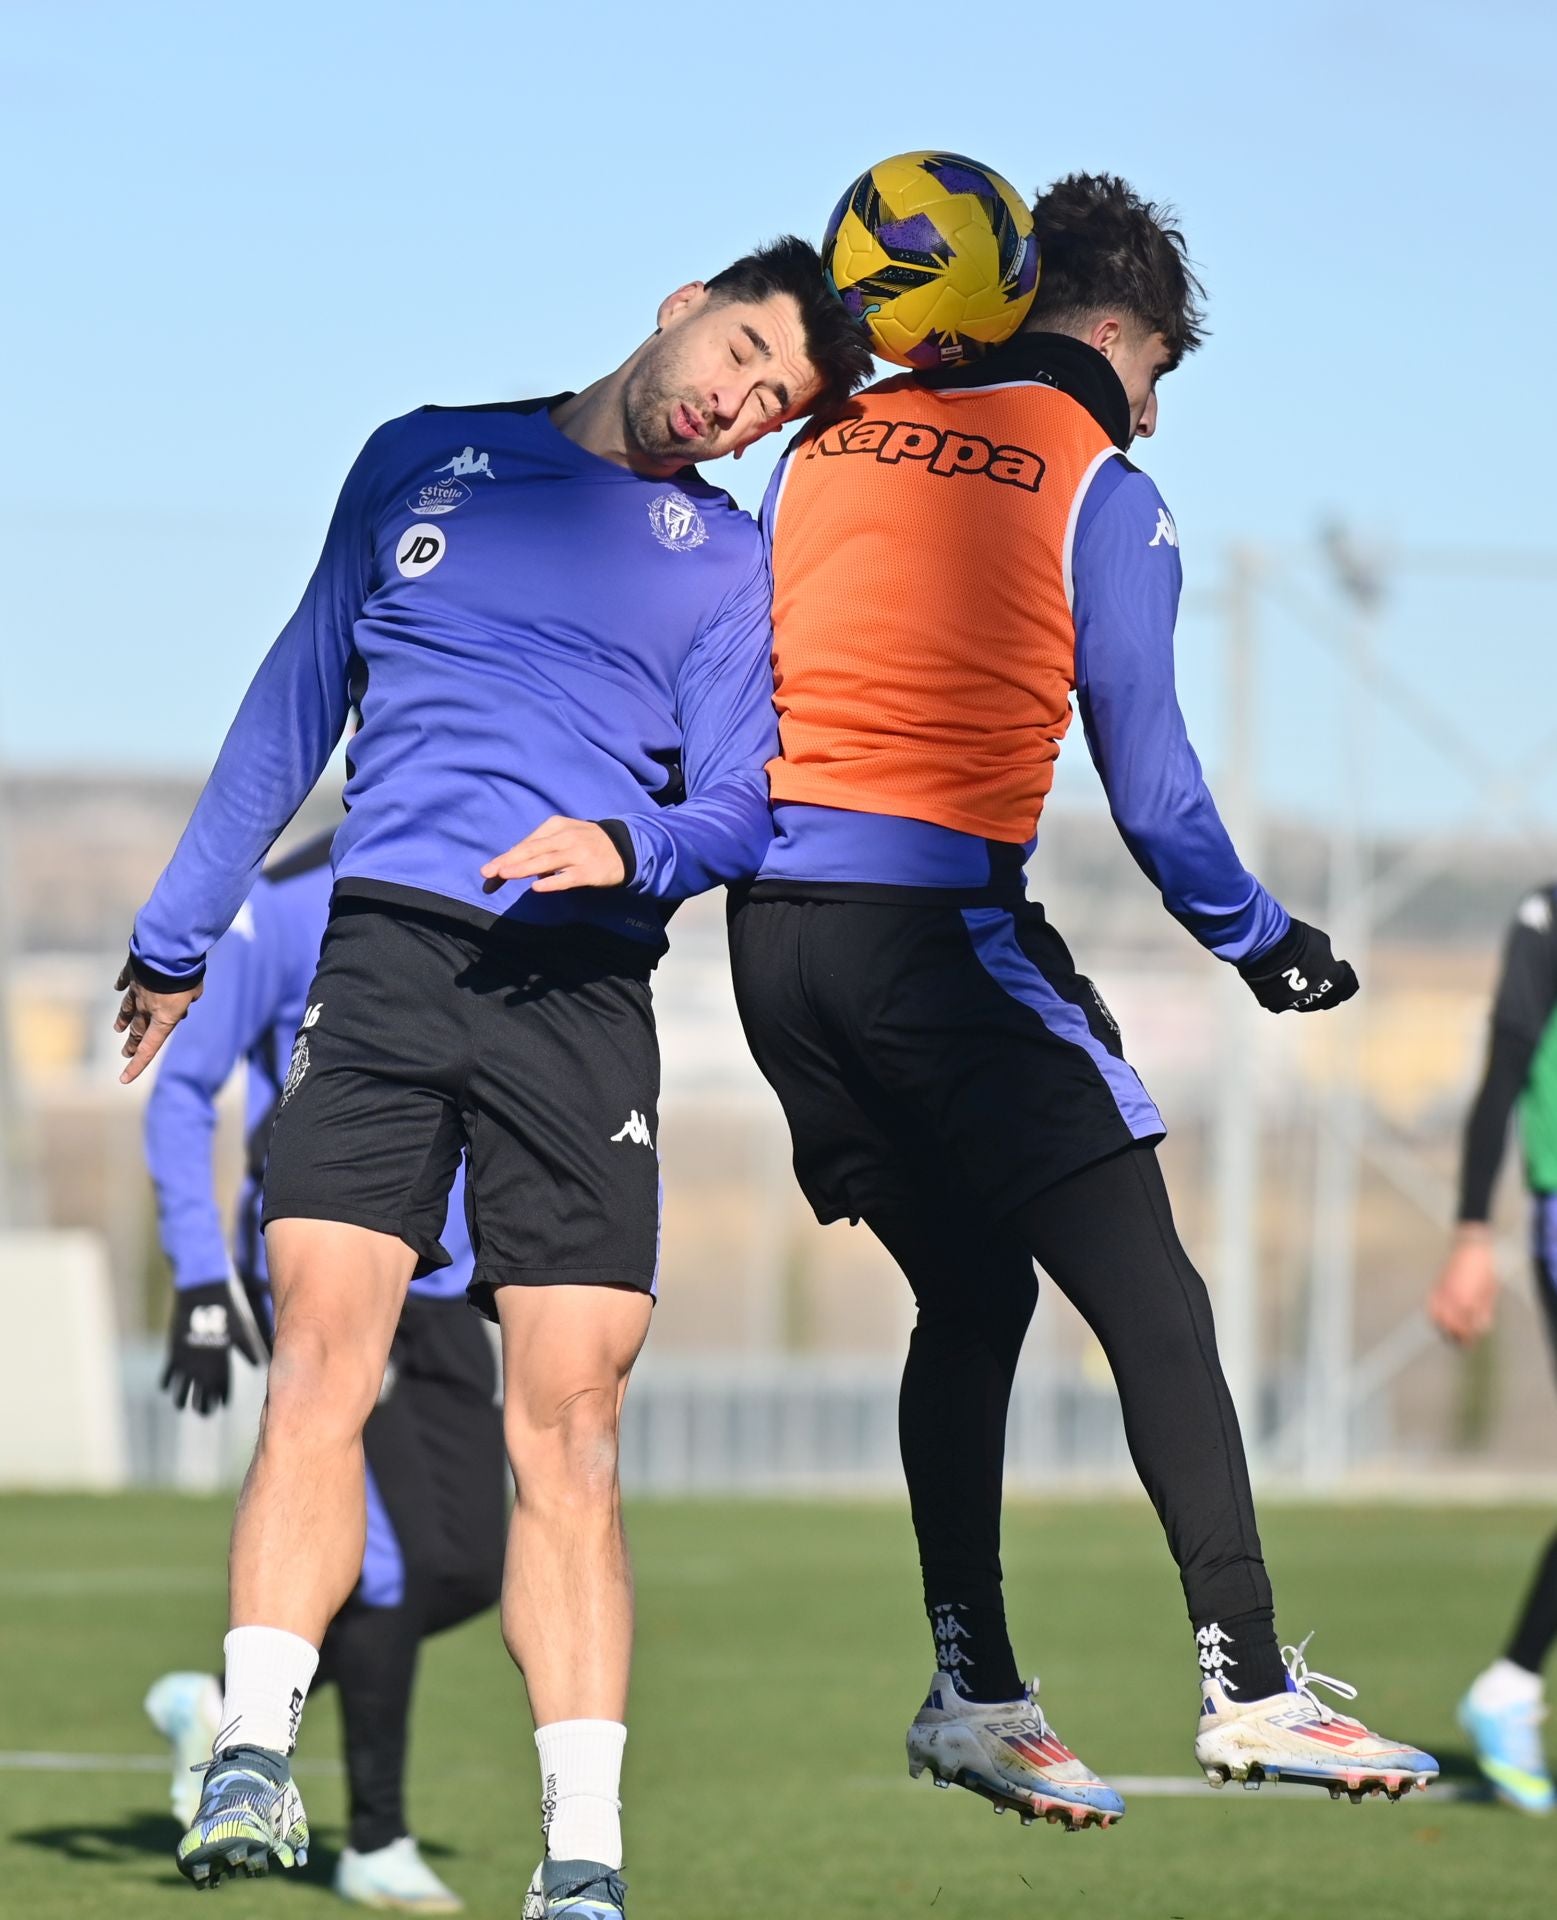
{"x":439,"y":496}
{"x":676,"y":523}
{"x":419,"y":549}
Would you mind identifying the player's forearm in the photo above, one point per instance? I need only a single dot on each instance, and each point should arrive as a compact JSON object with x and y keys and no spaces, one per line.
{"x":1486,"y":1126}
{"x":1205,"y":886}
{"x":717,"y":837}
{"x":276,"y":749}
{"x":180,"y":1137}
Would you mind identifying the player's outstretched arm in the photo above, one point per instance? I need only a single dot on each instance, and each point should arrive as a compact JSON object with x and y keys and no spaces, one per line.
{"x":1463,"y":1300}
{"x":1126,"y":580}
{"x":211,"y":1316}
{"x":291,"y":718}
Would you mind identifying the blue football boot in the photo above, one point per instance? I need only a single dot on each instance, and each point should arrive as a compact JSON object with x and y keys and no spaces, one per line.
{"x":580,"y":1889}
{"x":1508,"y":1749}
{"x":250,"y":1813}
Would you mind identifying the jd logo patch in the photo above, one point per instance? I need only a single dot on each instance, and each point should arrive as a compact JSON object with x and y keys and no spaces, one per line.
{"x":420,"y":549}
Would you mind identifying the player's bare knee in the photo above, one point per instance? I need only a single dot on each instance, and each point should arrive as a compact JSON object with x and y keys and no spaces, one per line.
{"x":568,"y":1454}
{"x":320,"y":1390}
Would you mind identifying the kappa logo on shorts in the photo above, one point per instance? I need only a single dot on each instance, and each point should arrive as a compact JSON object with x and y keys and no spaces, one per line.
{"x":636,"y":1131}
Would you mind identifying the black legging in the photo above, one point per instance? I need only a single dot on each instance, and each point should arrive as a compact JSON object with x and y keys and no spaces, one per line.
{"x":1106,"y":1238}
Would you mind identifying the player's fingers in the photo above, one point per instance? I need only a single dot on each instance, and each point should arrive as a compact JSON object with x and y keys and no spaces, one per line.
{"x":125,"y":977}
{"x":561,"y":881}
{"x":149,"y":1047}
{"x":126,"y":1013}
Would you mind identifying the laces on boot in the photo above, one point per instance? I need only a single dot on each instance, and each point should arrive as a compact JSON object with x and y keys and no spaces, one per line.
{"x":1304,"y":1679}
{"x":1031,"y":1696}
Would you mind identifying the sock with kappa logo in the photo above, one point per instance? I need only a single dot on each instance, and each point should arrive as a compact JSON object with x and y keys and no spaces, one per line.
{"x":973,"y":1647}
{"x":1240,"y":1652}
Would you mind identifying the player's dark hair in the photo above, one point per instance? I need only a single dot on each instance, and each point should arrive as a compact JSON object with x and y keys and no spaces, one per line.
{"x":1106,"y":247}
{"x":835,"y":341}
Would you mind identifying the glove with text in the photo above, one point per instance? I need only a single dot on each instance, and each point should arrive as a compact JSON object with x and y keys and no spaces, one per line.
{"x":1300,"y":974}
{"x":207,"y":1325}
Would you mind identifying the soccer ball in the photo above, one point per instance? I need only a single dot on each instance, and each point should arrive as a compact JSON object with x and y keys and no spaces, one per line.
{"x":936,"y":255}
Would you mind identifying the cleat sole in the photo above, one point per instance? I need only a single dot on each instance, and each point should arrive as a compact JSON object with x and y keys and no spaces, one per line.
{"x":1067,"y":1814}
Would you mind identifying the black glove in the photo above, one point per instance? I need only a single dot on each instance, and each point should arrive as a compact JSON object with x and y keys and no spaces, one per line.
{"x":207,"y":1325}
{"x":1300,"y":974}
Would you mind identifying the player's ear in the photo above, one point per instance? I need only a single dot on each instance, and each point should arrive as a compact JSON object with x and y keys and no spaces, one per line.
{"x":675,"y":306}
{"x":1105,"y":335}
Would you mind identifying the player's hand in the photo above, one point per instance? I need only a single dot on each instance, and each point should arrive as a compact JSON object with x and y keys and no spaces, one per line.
{"x":147,"y":1019}
{"x":1300,"y":974}
{"x":560,"y":854}
{"x":1464,"y":1299}
{"x":206,"y":1327}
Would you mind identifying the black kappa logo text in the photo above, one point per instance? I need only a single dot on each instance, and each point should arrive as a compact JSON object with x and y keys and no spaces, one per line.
{"x":946,"y":453}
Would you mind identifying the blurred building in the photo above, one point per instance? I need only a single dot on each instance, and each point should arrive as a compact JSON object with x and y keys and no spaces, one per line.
{"x":747,"y":1275}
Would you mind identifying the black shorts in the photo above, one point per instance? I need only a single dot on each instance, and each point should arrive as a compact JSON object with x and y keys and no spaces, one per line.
{"x":929,"y":1044}
{"x":534,"y":1055}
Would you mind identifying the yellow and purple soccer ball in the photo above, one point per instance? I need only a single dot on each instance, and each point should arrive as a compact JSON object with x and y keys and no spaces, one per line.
{"x":936,"y":255}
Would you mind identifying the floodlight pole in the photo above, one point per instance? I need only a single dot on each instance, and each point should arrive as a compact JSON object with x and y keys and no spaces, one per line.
{"x":1326,"y":1450}
{"x":1235,"y":1122}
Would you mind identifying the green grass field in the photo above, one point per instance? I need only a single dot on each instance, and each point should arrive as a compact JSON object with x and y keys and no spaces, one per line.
{"x":780,"y":1654}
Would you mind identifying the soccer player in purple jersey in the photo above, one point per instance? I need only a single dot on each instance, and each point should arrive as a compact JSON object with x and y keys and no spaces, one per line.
{"x":559,"y":637}
{"x":437,"y":1511}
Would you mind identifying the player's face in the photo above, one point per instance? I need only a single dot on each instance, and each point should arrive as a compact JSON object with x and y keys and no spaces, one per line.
{"x":1140,"y":359}
{"x":718,"y":375}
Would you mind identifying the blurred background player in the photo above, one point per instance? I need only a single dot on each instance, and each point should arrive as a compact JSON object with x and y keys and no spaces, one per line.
{"x":952,"y":558}
{"x":1506,"y":1704}
{"x":434,"y":1442}
{"x":564,"y":635}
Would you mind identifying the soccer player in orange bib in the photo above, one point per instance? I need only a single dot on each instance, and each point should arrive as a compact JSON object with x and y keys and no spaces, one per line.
{"x":953,"y":558}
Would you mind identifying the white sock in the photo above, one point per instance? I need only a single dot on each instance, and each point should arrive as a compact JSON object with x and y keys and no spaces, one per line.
{"x":268,"y":1671}
{"x":1504,"y":1684}
{"x":581,"y":1772}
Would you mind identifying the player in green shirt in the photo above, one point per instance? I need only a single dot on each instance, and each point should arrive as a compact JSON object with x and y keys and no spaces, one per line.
{"x":1507,"y":1703}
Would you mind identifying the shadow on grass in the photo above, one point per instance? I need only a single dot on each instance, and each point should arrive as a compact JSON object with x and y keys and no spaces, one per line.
{"x":1461,"y":1767}
{"x":112,"y":1843}
{"x":109,"y":1843}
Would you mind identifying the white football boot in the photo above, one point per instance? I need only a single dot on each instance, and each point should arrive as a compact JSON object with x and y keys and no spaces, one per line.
{"x":186,"y":1709}
{"x":1295,"y":1736}
{"x":394,"y":1879}
{"x":1010,"y":1754}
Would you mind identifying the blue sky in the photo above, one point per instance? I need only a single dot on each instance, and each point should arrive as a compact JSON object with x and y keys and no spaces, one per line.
{"x":248,"y":235}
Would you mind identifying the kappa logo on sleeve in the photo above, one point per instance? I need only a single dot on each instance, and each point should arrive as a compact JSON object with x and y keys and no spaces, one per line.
{"x":1167,"y":535}
{"x":419,"y":549}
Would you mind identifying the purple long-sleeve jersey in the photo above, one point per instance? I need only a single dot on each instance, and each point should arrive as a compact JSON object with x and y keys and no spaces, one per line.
{"x":529,"y":630}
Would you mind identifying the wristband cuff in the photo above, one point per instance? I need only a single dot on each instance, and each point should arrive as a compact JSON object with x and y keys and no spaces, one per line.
{"x":616,"y":831}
